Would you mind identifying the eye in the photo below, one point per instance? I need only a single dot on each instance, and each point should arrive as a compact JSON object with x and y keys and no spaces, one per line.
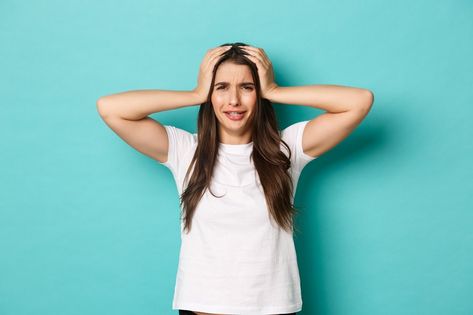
{"x":248,"y":87}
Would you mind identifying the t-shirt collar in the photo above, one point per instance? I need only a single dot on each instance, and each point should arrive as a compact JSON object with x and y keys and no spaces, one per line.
{"x":244,"y":148}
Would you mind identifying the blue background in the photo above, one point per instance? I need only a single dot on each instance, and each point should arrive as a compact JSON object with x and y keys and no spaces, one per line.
{"x":89,"y":225}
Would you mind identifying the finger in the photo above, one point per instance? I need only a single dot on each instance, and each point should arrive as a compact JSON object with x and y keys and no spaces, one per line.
{"x":259,"y":51}
{"x":216,"y":50}
{"x":221,"y":50}
{"x":253,"y":50}
{"x":260,"y":60}
{"x":249,"y":47}
{"x":256,"y":50}
{"x":225,"y":50}
{"x":257,"y":61}
{"x":214,"y":53}
{"x":214,"y":56}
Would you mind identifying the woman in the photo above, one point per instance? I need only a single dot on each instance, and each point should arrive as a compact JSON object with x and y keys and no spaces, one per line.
{"x":237,"y":175}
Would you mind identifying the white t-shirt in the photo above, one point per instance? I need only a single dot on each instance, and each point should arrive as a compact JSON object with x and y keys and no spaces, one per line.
{"x":235,"y":260}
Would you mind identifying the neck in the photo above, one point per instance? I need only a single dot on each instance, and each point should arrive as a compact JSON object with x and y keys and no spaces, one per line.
{"x":228,"y":138}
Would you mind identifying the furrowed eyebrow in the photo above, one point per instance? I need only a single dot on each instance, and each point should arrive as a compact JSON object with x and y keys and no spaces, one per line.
{"x":241,"y":84}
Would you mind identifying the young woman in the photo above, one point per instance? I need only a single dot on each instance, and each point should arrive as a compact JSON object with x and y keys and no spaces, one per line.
{"x":237,"y":175}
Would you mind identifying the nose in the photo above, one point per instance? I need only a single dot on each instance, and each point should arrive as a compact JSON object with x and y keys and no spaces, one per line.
{"x":234,"y":97}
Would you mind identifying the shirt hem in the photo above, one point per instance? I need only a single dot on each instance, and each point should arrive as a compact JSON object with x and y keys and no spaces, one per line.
{"x":238,"y":310}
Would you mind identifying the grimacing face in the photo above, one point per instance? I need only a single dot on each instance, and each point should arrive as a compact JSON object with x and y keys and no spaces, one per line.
{"x":234,"y":100}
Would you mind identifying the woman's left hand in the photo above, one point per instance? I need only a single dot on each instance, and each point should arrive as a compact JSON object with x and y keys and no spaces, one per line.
{"x":265,"y":69}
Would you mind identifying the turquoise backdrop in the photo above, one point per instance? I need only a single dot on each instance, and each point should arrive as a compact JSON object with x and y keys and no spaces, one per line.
{"x":89,"y":225}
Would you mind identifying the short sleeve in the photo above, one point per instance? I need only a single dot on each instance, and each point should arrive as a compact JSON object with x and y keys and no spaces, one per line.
{"x":292,"y":135}
{"x":180,"y":142}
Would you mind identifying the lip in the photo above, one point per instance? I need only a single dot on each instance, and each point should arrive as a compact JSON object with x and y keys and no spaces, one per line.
{"x":235,"y":118}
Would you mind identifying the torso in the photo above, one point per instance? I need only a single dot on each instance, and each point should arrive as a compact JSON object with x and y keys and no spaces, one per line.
{"x":234,"y":245}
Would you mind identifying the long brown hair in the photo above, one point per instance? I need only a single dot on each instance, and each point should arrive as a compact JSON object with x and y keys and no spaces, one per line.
{"x":271,"y":164}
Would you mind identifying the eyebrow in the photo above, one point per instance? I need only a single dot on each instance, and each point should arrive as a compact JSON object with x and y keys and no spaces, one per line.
{"x":243,"y":83}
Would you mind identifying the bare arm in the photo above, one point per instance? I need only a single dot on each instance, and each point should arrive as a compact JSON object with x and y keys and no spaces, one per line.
{"x":126,"y":113}
{"x":136,"y":105}
{"x":345,"y":106}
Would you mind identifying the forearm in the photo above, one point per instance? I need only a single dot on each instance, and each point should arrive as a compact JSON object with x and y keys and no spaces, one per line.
{"x":332,"y":98}
{"x":138,"y":104}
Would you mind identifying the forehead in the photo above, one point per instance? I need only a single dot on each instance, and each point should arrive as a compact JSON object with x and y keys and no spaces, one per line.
{"x":229,"y":71}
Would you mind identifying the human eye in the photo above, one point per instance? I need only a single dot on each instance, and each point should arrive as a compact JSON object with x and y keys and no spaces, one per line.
{"x":248,"y":88}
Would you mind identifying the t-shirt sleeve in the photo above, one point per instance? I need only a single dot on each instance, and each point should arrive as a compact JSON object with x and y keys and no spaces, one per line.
{"x":180,"y":142}
{"x":292,"y":135}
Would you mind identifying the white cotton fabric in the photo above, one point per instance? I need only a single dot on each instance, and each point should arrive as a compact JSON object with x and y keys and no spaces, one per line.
{"x":235,"y":260}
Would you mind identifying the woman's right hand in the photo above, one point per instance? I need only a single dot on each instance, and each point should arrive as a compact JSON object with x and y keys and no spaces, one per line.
{"x":205,"y":71}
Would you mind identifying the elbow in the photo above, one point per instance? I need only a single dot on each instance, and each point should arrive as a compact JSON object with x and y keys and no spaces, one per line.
{"x":101,"y":106}
{"x":366,"y":100}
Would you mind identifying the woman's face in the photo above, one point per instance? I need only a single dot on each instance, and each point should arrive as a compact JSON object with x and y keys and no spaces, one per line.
{"x":234,"y":91}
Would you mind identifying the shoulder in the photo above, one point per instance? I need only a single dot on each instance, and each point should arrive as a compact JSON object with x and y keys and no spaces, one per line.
{"x":292,"y":136}
{"x":180,"y":136}
{"x":293,"y":128}
{"x":293,"y":133}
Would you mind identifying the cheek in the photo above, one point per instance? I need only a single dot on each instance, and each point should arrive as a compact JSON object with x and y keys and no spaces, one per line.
{"x":250,"y":100}
{"x":218,"y":102}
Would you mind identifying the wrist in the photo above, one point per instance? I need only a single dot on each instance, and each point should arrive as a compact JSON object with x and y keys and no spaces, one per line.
{"x":271,"y":93}
{"x":198,"y":96}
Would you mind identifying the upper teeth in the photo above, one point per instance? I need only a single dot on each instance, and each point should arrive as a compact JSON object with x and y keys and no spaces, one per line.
{"x":234,"y":112}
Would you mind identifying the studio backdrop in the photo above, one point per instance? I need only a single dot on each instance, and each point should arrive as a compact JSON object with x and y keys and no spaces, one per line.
{"x":88,"y":225}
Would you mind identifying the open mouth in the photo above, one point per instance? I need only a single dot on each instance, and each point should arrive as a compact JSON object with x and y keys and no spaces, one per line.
{"x":235,"y":115}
